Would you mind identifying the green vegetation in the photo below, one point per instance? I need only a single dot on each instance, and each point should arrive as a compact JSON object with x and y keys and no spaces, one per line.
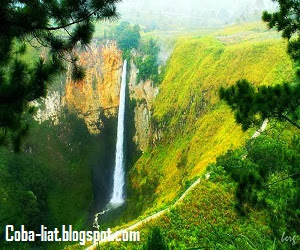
{"x":192,"y":125}
{"x":147,"y":62}
{"x":207,"y":217}
{"x":24,"y":190}
{"x":58,"y":27}
{"x":192,"y":128}
{"x":287,"y":20}
{"x":50,"y":183}
{"x":223,"y":212}
{"x":267,"y":175}
{"x":280,"y":102}
{"x":251,"y":199}
{"x":249,"y":191}
{"x":156,"y":240}
{"x":127,"y":36}
{"x":143,"y":49}
{"x":144,"y":52}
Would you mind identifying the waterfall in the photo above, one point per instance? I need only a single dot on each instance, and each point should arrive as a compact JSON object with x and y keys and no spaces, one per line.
{"x":117,"y":198}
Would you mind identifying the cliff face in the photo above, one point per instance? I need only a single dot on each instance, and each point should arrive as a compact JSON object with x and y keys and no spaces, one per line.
{"x":144,"y":94}
{"x":49,"y":108}
{"x":98,"y":94}
{"x":99,"y":91}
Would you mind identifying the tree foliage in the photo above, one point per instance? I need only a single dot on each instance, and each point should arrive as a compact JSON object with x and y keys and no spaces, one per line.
{"x":287,"y":20}
{"x":24,"y":186}
{"x":156,"y":240}
{"x":252,"y":106}
{"x":267,"y":173}
{"x":281,"y":102}
{"x":267,"y":170}
{"x":56,"y":26}
{"x":147,"y":63}
{"x":128,"y":37}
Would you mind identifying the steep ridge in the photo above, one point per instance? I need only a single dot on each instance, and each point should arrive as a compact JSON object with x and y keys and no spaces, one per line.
{"x":191,"y":126}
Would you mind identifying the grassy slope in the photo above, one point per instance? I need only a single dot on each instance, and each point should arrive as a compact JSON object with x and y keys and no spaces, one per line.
{"x":196,"y":126}
{"x":207,"y":220}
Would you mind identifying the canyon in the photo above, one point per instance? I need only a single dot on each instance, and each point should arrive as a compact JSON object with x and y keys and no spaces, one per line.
{"x":98,"y":93}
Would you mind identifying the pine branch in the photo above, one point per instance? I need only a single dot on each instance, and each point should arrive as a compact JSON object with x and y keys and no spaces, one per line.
{"x":288,"y":177}
{"x":294,"y":123}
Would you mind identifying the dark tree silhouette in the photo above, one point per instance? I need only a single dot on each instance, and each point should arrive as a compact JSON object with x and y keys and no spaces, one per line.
{"x":281,"y":102}
{"x":252,"y":106}
{"x":156,"y":240}
{"x":56,"y":25}
{"x":287,"y":20}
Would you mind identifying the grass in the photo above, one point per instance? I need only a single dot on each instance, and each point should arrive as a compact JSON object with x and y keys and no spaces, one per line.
{"x":207,"y":219}
{"x":195,"y":127}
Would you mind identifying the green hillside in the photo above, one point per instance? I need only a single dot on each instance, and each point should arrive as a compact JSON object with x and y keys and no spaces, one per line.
{"x":150,"y":125}
{"x":207,"y":217}
{"x":192,"y":125}
{"x":193,"y":129}
{"x":207,"y":220}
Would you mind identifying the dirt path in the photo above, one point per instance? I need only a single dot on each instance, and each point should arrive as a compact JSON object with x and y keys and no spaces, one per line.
{"x":149,"y":218}
{"x":162,"y":212}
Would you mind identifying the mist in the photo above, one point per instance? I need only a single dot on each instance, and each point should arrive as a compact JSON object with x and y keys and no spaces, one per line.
{"x":188,"y":5}
{"x":167,"y":14}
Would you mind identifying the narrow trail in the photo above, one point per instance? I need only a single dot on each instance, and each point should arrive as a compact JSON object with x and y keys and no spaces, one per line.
{"x":164,"y":211}
{"x":149,"y":218}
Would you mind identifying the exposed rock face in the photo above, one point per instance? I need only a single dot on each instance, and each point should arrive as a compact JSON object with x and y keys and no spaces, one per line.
{"x":49,"y":108}
{"x":142,"y":125}
{"x":100,"y":88}
{"x":144,"y":93}
{"x":109,"y":89}
{"x":99,"y":93}
{"x":133,"y":75}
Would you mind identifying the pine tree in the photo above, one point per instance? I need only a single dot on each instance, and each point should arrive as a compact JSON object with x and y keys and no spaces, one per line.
{"x":281,"y":102}
{"x":252,"y":106}
{"x":269,"y":176}
{"x":156,"y":240}
{"x":56,"y":25}
{"x":287,"y":20}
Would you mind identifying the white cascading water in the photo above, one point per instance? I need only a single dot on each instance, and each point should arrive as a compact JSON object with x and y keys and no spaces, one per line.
{"x":117,"y":198}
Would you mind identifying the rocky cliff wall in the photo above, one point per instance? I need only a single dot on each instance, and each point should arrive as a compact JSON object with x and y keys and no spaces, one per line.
{"x":98,"y":93}
{"x":144,"y":93}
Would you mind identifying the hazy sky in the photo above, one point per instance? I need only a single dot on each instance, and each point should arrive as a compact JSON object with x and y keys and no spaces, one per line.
{"x":188,"y":4}
{"x":171,"y":14}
